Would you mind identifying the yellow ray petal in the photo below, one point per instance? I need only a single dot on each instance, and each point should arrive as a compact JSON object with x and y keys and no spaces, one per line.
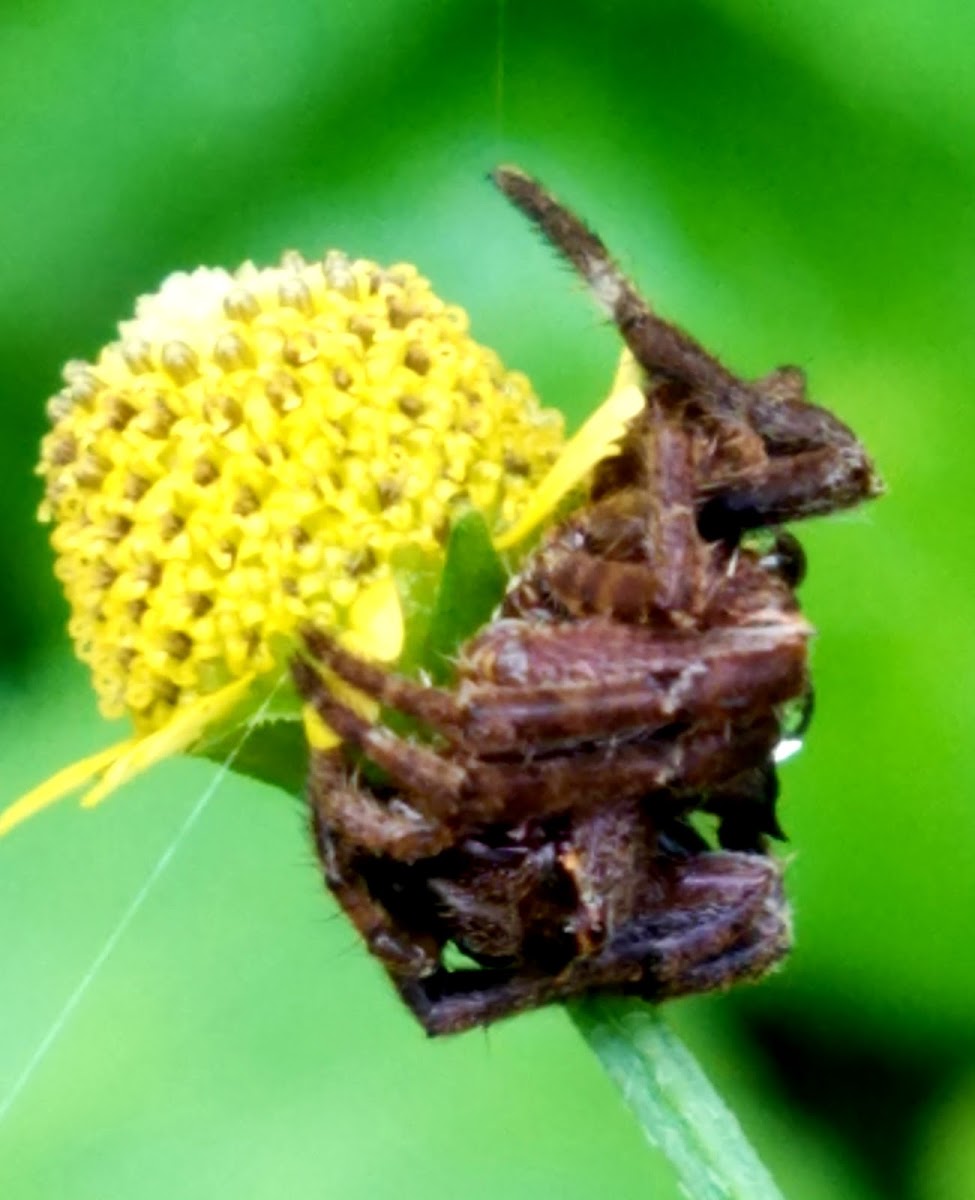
{"x":187,"y":727}
{"x":629,"y":373}
{"x":376,"y":627}
{"x":377,"y":631}
{"x":320,"y":735}
{"x":65,"y":781}
{"x":597,"y":439}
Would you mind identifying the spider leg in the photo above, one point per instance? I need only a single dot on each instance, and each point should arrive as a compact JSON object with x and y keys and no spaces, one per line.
{"x":717,"y":905}
{"x":435,"y":783}
{"x":661,"y":574}
{"x":816,"y":464}
{"x":584,"y":584}
{"x":755,"y":953}
{"x":608,"y":856}
{"x":725,"y":919}
{"x":402,"y":952}
{"x":659,"y":347}
{"x":659,"y":683}
{"x":361,"y":818}
{"x":435,"y":707}
{"x":452,"y":1001}
{"x":810,"y":483}
{"x":583,"y":777}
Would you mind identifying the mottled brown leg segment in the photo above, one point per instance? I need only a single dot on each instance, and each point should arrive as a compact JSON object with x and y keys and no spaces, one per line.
{"x":435,"y":707}
{"x":361,"y":818}
{"x":811,"y":483}
{"x":724,"y":920}
{"x":584,"y":583}
{"x":609,"y":856}
{"x":661,"y":348}
{"x":672,"y":542}
{"x":659,"y":573}
{"x":467,"y":793}
{"x":403,"y":952}
{"x":661,"y":687}
{"x":438,"y":784}
{"x":816,"y":463}
{"x":584,"y":778}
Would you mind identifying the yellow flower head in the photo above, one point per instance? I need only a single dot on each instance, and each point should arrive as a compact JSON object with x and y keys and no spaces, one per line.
{"x":247,"y":458}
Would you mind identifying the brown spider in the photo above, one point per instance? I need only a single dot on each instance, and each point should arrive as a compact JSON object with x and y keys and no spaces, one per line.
{"x":635,"y":673}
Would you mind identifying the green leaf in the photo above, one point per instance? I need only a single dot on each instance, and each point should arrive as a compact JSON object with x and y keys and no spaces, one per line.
{"x":472,"y":585}
{"x":417,"y":573}
{"x":274,"y":751}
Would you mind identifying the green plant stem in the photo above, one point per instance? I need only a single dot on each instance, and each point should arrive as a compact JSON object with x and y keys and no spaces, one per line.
{"x":678,"y":1109}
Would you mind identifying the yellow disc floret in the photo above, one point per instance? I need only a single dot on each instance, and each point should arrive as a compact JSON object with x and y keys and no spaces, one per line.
{"x":247,"y":459}
{"x":249,"y":454}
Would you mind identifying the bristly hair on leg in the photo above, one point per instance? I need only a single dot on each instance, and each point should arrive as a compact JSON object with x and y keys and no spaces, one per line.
{"x":659,"y":347}
{"x":639,"y":670}
{"x":815,"y":464}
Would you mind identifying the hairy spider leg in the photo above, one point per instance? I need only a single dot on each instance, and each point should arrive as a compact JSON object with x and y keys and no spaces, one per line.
{"x":725,"y":920}
{"x":761,"y":944}
{"x":659,"y":347}
{"x":439,"y":781}
{"x":661,"y":686}
{"x":664,"y":582}
{"x":825,"y":476}
{"x":815,"y":463}
{"x":466,"y":794}
{"x":825,"y":468}
{"x":404,"y":952}
{"x":609,"y":857}
{"x":363,"y":819}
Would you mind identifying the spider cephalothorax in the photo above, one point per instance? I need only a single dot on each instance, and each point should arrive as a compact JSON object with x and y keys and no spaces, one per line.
{"x":635,"y":674}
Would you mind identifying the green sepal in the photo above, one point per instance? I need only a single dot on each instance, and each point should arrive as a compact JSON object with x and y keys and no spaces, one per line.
{"x":472,"y":584}
{"x":274,"y":751}
{"x":417,"y":573}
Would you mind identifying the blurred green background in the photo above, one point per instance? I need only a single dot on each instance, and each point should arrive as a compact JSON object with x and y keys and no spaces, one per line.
{"x":794,"y":182}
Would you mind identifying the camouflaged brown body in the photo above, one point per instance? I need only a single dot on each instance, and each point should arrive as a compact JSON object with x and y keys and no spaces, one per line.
{"x":635,"y":676}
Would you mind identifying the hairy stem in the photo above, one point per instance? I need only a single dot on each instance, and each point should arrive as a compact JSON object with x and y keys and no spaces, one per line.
{"x":678,"y":1109}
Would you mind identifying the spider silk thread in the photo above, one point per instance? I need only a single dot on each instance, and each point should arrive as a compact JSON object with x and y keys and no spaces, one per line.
{"x":131,"y":911}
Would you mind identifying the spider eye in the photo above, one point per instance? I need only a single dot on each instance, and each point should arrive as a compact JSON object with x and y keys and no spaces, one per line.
{"x":787,"y":558}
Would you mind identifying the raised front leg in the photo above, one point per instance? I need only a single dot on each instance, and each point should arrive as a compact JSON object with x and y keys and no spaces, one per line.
{"x":816,"y":464}
{"x":660,"y":348}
